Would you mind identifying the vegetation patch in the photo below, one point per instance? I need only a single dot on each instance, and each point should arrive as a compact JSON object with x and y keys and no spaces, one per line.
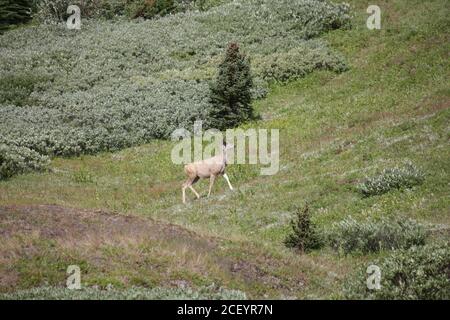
{"x":83,"y":175}
{"x":133,"y":293}
{"x":417,"y":273}
{"x":406,"y":176}
{"x":54,"y":11}
{"x":15,"y":160}
{"x":374,"y":235}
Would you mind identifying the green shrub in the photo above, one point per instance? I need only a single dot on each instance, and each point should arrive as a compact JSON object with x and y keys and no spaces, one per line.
{"x":16,"y":89}
{"x":417,"y":273}
{"x":16,"y":160}
{"x":298,"y":62}
{"x":373,"y":235}
{"x":260,"y":89}
{"x":304,"y":235}
{"x":231,"y":93}
{"x":51,"y":11}
{"x":134,"y":293}
{"x":150,"y":8}
{"x":204,"y":5}
{"x":406,"y":176}
{"x":14,"y":12}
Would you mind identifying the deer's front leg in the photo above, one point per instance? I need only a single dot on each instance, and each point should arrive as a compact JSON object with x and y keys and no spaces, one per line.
{"x":211,"y":183}
{"x":195,"y":192}
{"x":228,"y":181}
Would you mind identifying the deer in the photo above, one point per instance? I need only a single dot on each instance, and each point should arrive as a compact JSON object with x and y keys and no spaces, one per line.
{"x":208,"y":168}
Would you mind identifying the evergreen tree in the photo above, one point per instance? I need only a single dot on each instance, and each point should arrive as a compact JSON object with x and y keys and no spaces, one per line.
{"x":14,"y":12}
{"x":304,"y":236}
{"x":231,"y":91}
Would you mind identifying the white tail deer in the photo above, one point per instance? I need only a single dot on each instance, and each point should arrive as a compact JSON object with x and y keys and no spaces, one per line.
{"x":208,"y":168}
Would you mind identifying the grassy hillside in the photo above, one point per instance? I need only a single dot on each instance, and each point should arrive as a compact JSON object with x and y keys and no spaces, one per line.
{"x":115,"y":84}
{"x":391,"y":106}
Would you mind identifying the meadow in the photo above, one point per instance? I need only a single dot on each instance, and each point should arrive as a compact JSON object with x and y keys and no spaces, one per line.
{"x":115,"y":84}
{"x":350,"y":128}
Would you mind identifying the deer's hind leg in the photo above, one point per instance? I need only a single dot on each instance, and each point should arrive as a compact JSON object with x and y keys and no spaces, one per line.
{"x":192,"y":188}
{"x":211,"y":183}
{"x":188,"y":184}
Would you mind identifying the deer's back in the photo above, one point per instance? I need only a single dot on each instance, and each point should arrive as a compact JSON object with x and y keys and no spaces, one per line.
{"x":206,"y":168}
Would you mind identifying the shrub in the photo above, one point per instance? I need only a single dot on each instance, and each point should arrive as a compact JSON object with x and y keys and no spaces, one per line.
{"x":14,"y":12}
{"x":298,"y":62}
{"x":304,"y":235}
{"x":52,"y":11}
{"x":150,"y":8}
{"x":231,"y":93}
{"x":260,"y":89}
{"x":392,"y":178}
{"x":15,"y":160}
{"x":16,"y":88}
{"x":205,"y":5}
{"x":373,"y":235}
{"x":416,"y":273}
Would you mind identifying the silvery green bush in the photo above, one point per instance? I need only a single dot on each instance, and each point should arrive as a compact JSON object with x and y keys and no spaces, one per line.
{"x":15,"y":160}
{"x":405,"y":176}
{"x":418,"y":273}
{"x":114,"y":84}
{"x":54,"y":11}
{"x":374,"y":235}
{"x":298,"y":62}
{"x":134,"y":293}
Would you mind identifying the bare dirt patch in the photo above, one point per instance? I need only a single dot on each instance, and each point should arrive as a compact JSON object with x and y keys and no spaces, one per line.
{"x":149,"y":249}
{"x":69,"y":224}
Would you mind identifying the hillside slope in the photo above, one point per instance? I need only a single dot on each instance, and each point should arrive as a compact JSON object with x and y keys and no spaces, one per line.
{"x":392,"y":106}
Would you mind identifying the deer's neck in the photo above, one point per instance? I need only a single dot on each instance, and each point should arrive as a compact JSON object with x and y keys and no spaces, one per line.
{"x":224,"y":158}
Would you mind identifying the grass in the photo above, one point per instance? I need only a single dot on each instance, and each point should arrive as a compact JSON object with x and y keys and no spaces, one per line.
{"x":391,"y":106}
